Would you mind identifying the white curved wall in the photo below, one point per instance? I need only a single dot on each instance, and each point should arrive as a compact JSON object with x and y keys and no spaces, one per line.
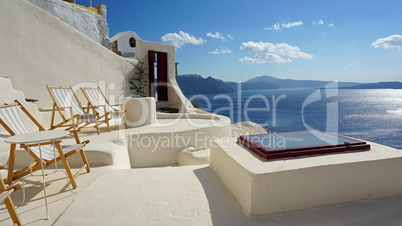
{"x":39,"y":49}
{"x":159,"y":144}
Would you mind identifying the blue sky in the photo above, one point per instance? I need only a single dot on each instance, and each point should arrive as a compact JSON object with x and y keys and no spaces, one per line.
{"x":236,"y":40}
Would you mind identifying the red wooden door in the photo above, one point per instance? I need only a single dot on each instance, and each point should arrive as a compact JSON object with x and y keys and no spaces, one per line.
{"x":161,"y":83}
{"x":151,"y":75}
{"x":162,"y":76}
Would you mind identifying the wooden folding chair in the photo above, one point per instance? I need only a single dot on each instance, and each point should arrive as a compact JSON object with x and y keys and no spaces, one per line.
{"x":11,"y":118}
{"x":5,"y":197}
{"x":72,"y":113}
{"x":97,"y":99}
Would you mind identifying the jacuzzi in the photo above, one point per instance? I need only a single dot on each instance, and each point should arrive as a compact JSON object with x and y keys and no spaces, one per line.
{"x":300,"y":143}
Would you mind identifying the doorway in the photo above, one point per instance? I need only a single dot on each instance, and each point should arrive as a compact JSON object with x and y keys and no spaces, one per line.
{"x":158,"y":75}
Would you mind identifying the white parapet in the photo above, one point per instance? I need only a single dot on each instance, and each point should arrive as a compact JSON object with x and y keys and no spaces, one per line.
{"x":159,"y":144}
{"x":263,"y":187}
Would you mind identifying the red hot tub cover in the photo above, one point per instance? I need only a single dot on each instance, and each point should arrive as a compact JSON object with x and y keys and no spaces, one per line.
{"x":300,"y":143}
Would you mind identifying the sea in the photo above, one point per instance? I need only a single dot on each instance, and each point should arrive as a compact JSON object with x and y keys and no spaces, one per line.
{"x":368,"y":114}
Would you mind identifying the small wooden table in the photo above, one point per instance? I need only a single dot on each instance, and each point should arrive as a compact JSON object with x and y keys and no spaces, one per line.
{"x":34,"y":138}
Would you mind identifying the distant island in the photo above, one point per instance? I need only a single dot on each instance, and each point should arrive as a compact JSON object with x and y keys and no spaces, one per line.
{"x":252,"y":85}
{"x":378,"y":85}
{"x":291,"y":83}
{"x":195,"y":84}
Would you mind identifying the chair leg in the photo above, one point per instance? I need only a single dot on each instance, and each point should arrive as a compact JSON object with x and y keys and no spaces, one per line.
{"x":10,"y":206}
{"x":97,"y":127}
{"x":10,"y":175}
{"x":52,"y":119}
{"x":11,"y":210}
{"x":85,"y":160}
{"x":77,"y":139}
{"x":75,"y":129}
{"x":124,"y":121}
{"x":68,"y":171}
{"x":107,"y":122}
{"x":66,"y":166}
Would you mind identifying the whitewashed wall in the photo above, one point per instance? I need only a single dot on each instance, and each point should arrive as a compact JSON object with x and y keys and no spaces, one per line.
{"x":91,"y":24}
{"x":39,"y":49}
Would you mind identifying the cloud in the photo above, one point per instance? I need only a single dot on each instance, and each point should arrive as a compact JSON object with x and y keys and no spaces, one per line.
{"x":273,"y":53}
{"x":275,"y":27}
{"x":181,"y":39}
{"x":318,"y":22}
{"x":230,"y":36}
{"x":278,"y":26}
{"x":393,"y":41}
{"x":352,"y":64}
{"x":321,"y":22}
{"x":217,"y":35}
{"x":221,"y":50}
{"x":294,"y":24}
{"x":273,"y":58}
{"x":215,"y":52}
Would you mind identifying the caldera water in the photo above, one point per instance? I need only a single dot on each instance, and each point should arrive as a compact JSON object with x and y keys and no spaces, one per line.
{"x":368,"y":114}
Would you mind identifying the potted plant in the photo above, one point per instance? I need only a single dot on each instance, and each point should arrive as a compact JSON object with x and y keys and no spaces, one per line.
{"x":139,"y":81}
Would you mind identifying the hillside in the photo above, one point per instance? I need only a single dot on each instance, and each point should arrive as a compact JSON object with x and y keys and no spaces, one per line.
{"x":291,"y":83}
{"x":252,"y":85}
{"x":196,"y":84}
{"x":378,"y":85}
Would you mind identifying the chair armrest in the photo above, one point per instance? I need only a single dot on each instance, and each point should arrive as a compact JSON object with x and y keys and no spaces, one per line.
{"x":63,"y":108}
{"x":86,"y":142}
{"x":71,"y":110}
{"x":87,"y":108}
{"x":99,"y":106}
{"x":118,"y":105}
{"x":43,"y":143}
{"x":5,"y":196}
{"x":13,"y":188}
{"x":8,"y":191}
{"x":90,"y":107}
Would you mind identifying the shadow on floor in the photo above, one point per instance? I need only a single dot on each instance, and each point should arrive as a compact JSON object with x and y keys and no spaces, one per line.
{"x":225,"y":210}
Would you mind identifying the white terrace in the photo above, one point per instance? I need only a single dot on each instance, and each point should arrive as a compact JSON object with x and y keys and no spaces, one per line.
{"x":138,"y":176}
{"x":236,"y":188}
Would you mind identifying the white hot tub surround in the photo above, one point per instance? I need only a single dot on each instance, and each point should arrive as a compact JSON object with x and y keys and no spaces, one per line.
{"x":159,"y":144}
{"x":263,"y":187}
